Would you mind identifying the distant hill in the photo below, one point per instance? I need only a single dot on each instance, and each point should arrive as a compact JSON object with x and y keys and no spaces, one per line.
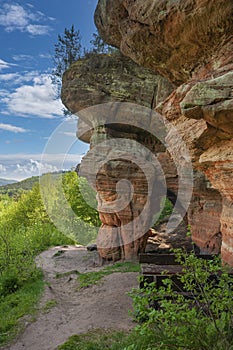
{"x":4,"y":182}
{"x":14,"y":187}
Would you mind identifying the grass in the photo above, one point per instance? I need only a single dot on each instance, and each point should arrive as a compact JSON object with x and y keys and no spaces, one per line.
{"x":65,"y":274}
{"x":16,"y":305}
{"x":103,"y":339}
{"x":49,"y":305}
{"x":89,"y":278}
{"x":96,"y":340}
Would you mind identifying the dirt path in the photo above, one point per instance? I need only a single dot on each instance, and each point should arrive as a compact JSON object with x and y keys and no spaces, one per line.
{"x":76,"y":311}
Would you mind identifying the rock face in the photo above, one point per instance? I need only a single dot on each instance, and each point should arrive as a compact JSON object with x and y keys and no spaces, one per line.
{"x":119,"y":164}
{"x":111,"y":78}
{"x":178,"y":39}
{"x":190,"y":43}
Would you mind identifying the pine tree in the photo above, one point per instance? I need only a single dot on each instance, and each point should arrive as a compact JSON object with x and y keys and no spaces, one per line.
{"x":67,"y":51}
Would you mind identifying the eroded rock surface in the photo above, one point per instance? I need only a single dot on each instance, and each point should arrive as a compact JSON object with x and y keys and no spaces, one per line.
{"x":190,"y":43}
{"x":202,"y":112}
{"x":120,"y":148}
{"x":112,"y":78}
{"x":177,"y":38}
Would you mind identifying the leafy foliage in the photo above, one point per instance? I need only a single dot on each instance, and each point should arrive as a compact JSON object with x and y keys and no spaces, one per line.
{"x":25,"y":231}
{"x":15,"y":305}
{"x":71,"y":204}
{"x":16,"y":189}
{"x":166,"y":211}
{"x":204,"y":320}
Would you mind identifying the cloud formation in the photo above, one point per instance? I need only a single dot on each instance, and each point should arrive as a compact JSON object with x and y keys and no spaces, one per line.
{"x":33,"y":168}
{"x":12,"y":128}
{"x":14,"y":16}
{"x":4,"y":64}
{"x":21,"y":166}
{"x":38,"y":99}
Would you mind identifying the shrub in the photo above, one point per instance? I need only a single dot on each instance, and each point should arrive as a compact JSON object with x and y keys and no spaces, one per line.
{"x":203,"y":321}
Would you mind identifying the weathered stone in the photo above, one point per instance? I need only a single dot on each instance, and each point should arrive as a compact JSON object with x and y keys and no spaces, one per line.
{"x":107,"y":78}
{"x":179,"y":39}
{"x":91,"y":247}
{"x":97,"y":80}
{"x":212,"y":100}
{"x":204,"y":215}
{"x":190,"y":43}
{"x":126,"y":192}
{"x":205,"y":121}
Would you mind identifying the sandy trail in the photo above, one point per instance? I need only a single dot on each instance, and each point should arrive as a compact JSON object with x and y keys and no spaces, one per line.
{"x":77,"y":310}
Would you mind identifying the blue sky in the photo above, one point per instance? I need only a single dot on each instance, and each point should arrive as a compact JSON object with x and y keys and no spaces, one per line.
{"x":29,"y":113}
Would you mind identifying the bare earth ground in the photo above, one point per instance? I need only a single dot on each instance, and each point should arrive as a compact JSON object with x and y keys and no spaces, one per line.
{"x":76,"y":310}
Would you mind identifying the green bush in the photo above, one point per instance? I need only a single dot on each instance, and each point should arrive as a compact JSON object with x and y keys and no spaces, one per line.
{"x":25,"y":231}
{"x":203,"y":321}
{"x":15,"y":305}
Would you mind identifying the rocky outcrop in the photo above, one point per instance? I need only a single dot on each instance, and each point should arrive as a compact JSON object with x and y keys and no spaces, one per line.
{"x":119,"y":164}
{"x":107,"y":78}
{"x":190,"y":43}
{"x":203,"y":114}
{"x":179,"y":39}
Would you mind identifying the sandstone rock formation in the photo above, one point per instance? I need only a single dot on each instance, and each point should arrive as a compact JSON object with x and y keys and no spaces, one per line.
{"x":177,"y":38}
{"x":190,"y":43}
{"x":126,"y":212}
{"x":111,"y":78}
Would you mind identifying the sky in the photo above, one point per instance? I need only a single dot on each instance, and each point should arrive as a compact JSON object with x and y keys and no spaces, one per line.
{"x":30,"y":114}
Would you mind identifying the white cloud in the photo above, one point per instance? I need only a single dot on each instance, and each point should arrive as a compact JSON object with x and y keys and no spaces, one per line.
{"x":22,"y":57}
{"x":2,"y":168}
{"x":13,"y":16}
{"x":12,"y":128}
{"x":34,"y":167}
{"x":45,"y":55}
{"x":38,"y":99}
{"x":4,"y":64}
{"x":36,"y":29}
{"x":21,"y":166}
{"x":3,"y":93}
{"x":19,"y":78}
{"x":8,"y":76}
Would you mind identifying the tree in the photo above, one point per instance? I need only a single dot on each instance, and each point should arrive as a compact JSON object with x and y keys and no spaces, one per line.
{"x":99,"y":46}
{"x":67,"y":51}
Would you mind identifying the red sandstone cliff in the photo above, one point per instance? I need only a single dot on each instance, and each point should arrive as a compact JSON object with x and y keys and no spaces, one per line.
{"x":190,"y":43}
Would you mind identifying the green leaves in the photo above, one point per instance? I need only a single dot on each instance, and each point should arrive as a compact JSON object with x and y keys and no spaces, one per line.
{"x":203,"y":321}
